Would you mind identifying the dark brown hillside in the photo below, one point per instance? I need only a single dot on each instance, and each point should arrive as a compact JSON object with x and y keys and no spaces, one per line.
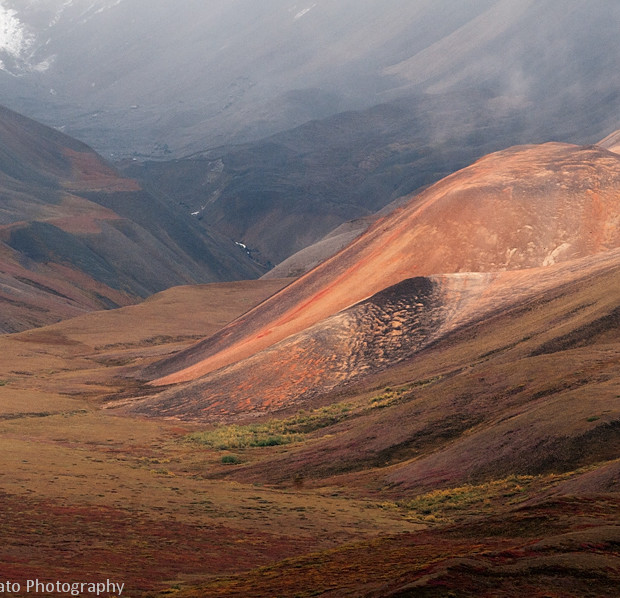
{"x":314,"y":177}
{"x":522,"y":208}
{"x":30,"y":151}
{"x":75,"y":235}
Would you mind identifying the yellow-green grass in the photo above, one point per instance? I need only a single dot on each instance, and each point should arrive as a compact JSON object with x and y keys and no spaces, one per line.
{"x":273,"y":432}
{"x":451,"y":504}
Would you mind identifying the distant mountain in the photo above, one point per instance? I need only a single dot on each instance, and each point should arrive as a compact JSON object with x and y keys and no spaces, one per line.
{"x":304,"y":260}
{"x":308,"y":115}
{"x":534,"y":210}
{"x":75,"y":235}
{"x":153,"y":77}
{"x":313,"y":178}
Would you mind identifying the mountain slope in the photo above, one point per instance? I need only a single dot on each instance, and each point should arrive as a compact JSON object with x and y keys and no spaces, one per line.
{"x":314,"y":177}
{"x":75,"y":232}
{"x":371,"y":101}
{"x":344,"y":494}
{"x":528,"y":385}
{"x":525,"y":207}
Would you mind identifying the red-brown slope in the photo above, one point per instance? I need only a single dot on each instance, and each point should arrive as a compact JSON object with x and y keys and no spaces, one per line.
{"x":45,"y":293}
{"x":371,"y":336}
{"x":533,"y":387}
{"x":524,"y":207}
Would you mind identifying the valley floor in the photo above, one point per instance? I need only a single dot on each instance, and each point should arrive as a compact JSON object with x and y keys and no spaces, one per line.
{"x":172,"y":508}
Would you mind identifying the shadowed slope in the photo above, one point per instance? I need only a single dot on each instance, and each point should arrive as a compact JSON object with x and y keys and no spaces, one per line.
{"x":308,"y":258}
{"x":524,"y":207}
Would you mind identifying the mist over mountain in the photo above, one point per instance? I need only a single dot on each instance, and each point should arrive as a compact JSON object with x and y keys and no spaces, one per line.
{"x":153,"y":77}
{"x":312,"y":178}
{"x":308,"y":114}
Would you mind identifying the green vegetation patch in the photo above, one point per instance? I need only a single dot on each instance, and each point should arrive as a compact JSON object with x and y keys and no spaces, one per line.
{"x":387,"y":398}
{"x":293,"y":429}
{"x":272,"y":433}
{"x":234,"y":437}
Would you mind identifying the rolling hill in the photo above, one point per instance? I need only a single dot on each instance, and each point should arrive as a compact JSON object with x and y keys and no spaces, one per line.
{"x":309,"y":257}
{"x":459,"y":360}
{"x":452,"y":432}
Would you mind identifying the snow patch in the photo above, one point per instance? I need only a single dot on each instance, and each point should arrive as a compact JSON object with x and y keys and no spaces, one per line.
{"x":303,"y":12}
{"x":116,"y":3}
{"x":43,"y":65}
{"x":14,"y":39}
{"x":59,"y":12}
{"x":16,"y":43}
